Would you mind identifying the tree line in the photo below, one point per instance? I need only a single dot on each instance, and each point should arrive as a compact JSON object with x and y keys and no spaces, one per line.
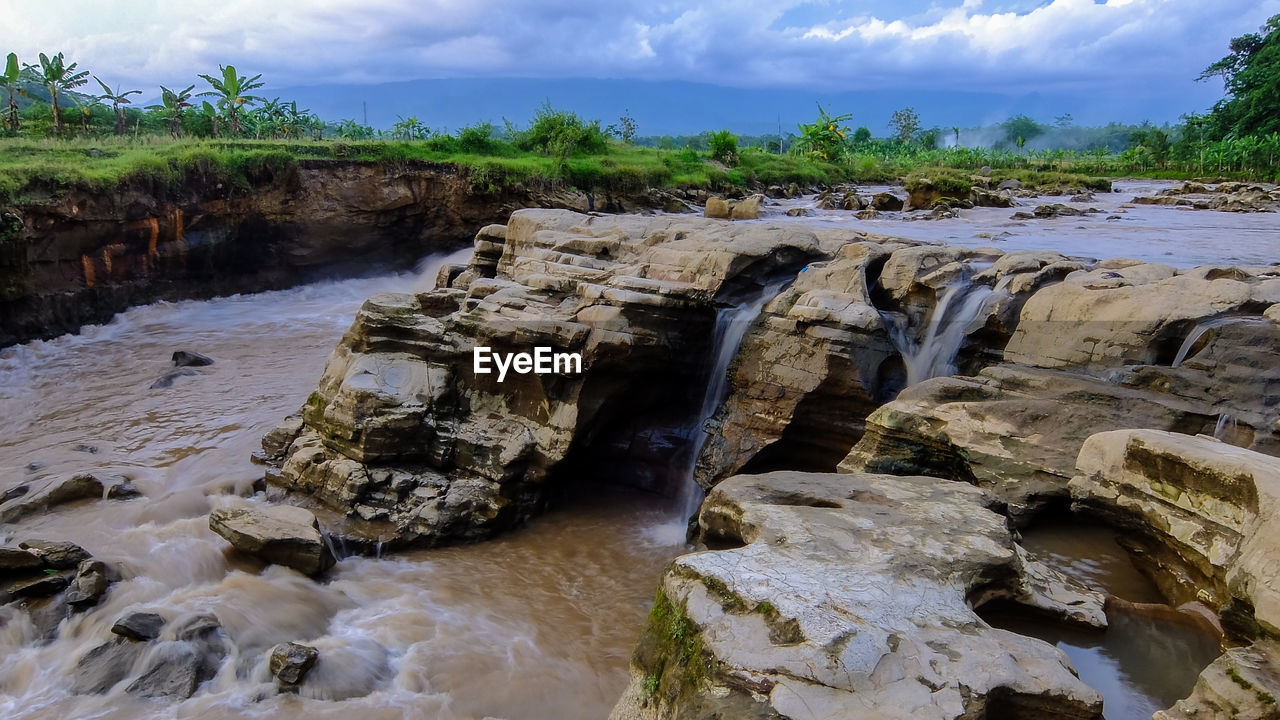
{"x":38,"y":97}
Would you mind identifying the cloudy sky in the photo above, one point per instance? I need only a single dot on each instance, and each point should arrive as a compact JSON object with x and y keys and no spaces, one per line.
{"x":1117,"y":48}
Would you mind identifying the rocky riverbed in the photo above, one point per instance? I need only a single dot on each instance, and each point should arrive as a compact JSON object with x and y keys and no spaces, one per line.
{"x":878,"y":436}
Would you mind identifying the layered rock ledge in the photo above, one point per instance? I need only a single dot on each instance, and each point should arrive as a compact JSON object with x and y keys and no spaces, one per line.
{"x":414,"y":446}
{"x":853,"y":596}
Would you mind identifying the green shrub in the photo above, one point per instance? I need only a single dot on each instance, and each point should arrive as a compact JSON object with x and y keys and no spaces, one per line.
{"x":724,"y":147}
{"x":560,"y":133}
{"x":477,"y":139}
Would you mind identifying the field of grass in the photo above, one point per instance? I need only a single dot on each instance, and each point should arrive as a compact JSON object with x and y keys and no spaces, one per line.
{"x":31,"y":168}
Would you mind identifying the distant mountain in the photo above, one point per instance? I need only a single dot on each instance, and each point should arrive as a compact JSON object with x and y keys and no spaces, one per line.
{"x":672,"y":108}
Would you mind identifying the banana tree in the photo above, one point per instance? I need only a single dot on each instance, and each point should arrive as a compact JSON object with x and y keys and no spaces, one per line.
{"x":117,"y":97}
{"x":297,"y":121}
{"x":823,"y":138}
{"x":232,"y":92}
{"x":210,"y":113}
{"x":57,"y":76}
{"x":84,"y":110}
{"x":9,"y":80}
{"x":172,"y":103}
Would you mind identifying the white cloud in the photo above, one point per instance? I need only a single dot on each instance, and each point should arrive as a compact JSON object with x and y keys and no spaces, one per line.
{"x":964,"y":44}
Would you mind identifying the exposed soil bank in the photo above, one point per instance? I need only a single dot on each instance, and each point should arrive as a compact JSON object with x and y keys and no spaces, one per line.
{"x":71,"y":258}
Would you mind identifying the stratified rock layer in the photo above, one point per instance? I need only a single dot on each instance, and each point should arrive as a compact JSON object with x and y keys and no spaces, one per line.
{"x":408,"y":440}
{"x":1213,"y":505}
{"x":852,"y":596}
{"x":1137,"y":346}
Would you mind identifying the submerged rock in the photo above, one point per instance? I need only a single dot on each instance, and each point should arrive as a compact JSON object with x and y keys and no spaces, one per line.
{"x":172,"y":671}
{"x":1243,"y":684}
{"x":851,"y":594}
{"x":186,"y":358}
{"x":63,"y":491}
{"x":106,"y":665}
{"x":290,"y":662}
{"x":1054,"y":210}
{"x":168,"y":379}
{"x":139,"y":626}
{"x":279,"y":534}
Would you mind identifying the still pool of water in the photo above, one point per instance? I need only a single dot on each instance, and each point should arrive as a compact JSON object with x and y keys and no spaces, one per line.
{"x":1141,"y":663}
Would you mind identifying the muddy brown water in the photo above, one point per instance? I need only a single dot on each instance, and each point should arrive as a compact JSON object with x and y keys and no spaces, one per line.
{"x":1179,"y":236}
{"x":537,"y":624}
{"x":1141,"y":663}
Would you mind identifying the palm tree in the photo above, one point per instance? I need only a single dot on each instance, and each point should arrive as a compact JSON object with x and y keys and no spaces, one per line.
{"x":117,"y":97}
{"x":231,"y":91}
{"x":171,"y":106}
{"x":57,"y":76}
{"x":12,"y":74}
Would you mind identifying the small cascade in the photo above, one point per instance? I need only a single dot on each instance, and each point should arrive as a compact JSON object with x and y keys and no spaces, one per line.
{"x":1226,"y":427}
{"x":731,"y":327}
{"x":934,"y":353}
{"x":1194,"y":337}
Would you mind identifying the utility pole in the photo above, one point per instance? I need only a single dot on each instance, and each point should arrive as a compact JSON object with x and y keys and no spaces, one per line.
{"x":365,"y":104}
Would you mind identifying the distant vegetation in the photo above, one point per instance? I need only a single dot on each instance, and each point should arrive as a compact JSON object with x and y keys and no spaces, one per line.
{"x":58,"y":135}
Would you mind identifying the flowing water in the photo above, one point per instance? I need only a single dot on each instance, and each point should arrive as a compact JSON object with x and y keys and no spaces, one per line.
{"x":537,"y":624}
{"x":1182,"y":237}
{"x":933,"y":354}
{"x":731,"y":326}
{"x":1143,"y":662}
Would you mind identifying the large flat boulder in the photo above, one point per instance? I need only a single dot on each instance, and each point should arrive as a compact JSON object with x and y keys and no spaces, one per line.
{"x":279,"y":534}
{"x":853,"y":596}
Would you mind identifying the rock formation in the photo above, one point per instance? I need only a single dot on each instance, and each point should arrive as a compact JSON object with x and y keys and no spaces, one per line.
{"x":932,"y":363}
{"x":852,"y":596}
{"x":414,"y":446}
{"x":279,"y":534}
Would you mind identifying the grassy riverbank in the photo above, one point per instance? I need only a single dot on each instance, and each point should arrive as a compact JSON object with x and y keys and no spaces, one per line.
{"x":44,"y":167}
{"x":33,"y":169}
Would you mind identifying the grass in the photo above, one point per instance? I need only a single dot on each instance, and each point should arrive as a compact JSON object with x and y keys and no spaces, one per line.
{"x":32,"y":169}
{"x":671,"y":653}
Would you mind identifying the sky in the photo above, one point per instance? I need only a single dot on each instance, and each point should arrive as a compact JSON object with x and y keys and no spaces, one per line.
{"x":1124,"y":52}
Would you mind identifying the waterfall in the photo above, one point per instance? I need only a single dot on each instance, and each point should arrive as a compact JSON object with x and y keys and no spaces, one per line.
{"x":934,"y":354}
{"x":1194,"y":336}
{"x":1225,"y":428}
{"x":731,"y":327}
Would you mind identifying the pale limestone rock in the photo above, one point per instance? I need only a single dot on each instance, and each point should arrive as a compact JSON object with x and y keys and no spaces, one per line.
{"x":635,"y":297}
{"x":1243,"y":684}
{"x":1213,"y":504}
{"x":849,"y":596}
{"x":717,"y":208}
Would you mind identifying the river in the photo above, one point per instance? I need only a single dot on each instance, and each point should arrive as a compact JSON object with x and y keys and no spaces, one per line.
{"x":537,"y":624}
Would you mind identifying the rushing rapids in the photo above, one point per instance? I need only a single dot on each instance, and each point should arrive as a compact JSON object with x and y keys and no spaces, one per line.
{"x":849,"y":364}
